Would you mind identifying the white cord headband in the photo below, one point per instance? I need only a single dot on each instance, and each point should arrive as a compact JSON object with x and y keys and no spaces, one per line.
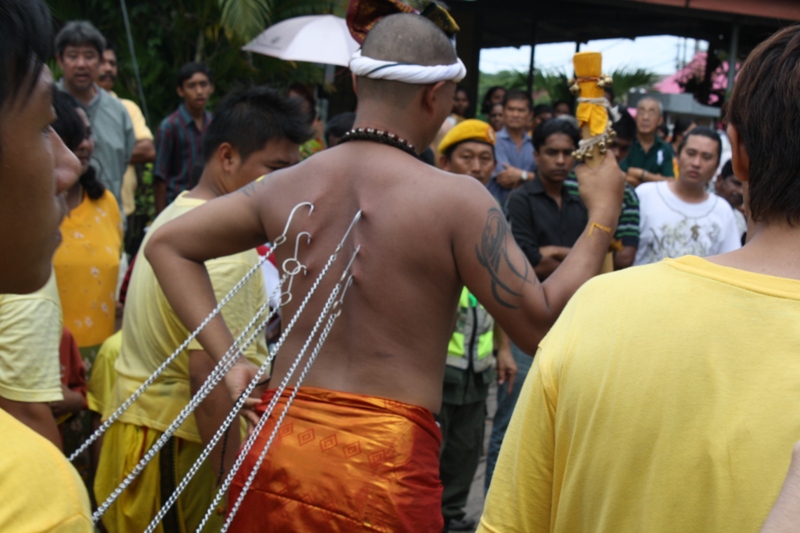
{"x":376,"y":69}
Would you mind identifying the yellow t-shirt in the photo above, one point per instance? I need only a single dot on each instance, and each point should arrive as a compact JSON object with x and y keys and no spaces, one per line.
{"x":152,"y":331}
{"x":40,"y":490}
{"x":30,"y":334}
{"x":663,"y":400}
{"x":87,"y":266}
{"x":142,"y":133}
{"x":101,"y":383}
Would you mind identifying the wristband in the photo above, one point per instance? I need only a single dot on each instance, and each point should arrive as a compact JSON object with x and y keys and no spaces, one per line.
{"x":644,"y":175}
{"x":594,"y":225}
{"x":524,"y":175}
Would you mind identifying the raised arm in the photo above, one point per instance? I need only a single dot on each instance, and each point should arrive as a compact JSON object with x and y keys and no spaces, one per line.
{"x":499,"y":275}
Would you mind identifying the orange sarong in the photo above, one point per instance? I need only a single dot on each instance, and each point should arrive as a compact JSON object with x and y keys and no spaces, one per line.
{"x":343,"y":463}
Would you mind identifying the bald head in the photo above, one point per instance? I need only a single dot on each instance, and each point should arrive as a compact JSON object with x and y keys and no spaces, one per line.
{"x":407,"y":38}
{"x":404,"y":38}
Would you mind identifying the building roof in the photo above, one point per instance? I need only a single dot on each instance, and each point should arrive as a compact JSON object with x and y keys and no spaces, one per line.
{"x":511,"y":22}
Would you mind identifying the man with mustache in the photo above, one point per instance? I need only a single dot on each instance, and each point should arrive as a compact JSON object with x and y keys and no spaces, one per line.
{"x":79,"y":49}
{"x":144,"y":151}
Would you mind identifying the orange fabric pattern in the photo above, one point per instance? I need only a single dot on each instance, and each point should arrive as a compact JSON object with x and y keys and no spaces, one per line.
{"x":343,"y":463}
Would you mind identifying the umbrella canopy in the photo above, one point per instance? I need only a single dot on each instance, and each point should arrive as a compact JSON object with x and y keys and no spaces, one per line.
{"x":313,"y":38}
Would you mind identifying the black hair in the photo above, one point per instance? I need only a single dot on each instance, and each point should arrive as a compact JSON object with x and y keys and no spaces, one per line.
{"x":702,"y":131}
{"x":516,"y":94}
{"x":79,"y":33}
{"x":486,"y":106}
{"x":188,"y":70}
{"x":553,"y":126}
{"x":663,"y":129}
{"x":727,"y":170}
{"x":248,"y":119}
{"x":681,"y":125}
{"x":765,"y":110}
{"x":69,"y":126}
{"x":541,"y":109}
{"x":610,"y":90}
{"x":462,"y":89}
{"x":625,"y":127}
{"x":559,"y":102}
{"x":339,"y":125}
{"x":110,"y":45}
{"x":306,"y":93}
{"x":25,"y":43}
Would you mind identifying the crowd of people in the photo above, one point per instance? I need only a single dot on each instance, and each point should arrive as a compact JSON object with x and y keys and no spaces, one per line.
{"x":637,"y":412}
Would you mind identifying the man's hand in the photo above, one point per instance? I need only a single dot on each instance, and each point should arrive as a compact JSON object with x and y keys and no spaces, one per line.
{"x":634,"y":176}
{"x":509,"y":177}
{"x":236,"y":380}
{"x":602,"y":190}
{"x":506,"y":367}
{"x":72,"y":403}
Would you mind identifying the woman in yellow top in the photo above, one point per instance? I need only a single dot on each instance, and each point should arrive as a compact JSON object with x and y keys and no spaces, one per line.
{"x":87,"y":262}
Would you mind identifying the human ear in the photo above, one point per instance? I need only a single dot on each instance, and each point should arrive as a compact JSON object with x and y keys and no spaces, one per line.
{"x":179,"y":90}
{"x":433,"y":94}
{"x":739,"y":156}
{"x":355,"y":83}
{"x":228,"y":158}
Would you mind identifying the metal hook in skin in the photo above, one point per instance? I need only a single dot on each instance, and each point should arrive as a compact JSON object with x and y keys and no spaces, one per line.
{"x":282,"y":237}
{"x":298,"y":265}
{"x":347,"y":233}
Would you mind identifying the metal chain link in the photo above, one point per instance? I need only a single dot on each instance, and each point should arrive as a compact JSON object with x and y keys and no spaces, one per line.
{"x":149,"y":381}
{"x":243,"y":452}
{"x":322,"y":338}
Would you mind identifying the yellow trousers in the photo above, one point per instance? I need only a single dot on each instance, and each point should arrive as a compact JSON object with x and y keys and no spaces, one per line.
{"x":123,"y":446}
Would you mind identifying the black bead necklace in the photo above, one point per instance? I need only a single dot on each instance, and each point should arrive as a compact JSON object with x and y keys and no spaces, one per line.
{"x":379,"y":136}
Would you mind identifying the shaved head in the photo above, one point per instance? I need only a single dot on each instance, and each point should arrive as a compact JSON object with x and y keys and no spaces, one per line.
{"x":404,"y":38}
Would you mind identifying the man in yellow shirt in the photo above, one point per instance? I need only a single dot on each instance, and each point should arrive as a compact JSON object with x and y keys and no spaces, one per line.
{"x":628,"y":422}
{"x":39,"y":489}
{"x":255,"y":132}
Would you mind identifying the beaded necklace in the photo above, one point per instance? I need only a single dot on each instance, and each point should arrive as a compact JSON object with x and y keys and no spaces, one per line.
{"x":381,"y":137}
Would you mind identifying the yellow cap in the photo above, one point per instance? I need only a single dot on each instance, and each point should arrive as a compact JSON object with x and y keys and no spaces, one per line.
{"x":468,"y":130}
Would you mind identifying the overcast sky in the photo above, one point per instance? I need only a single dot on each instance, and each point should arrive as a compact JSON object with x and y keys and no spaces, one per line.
{"x":657,"y":54}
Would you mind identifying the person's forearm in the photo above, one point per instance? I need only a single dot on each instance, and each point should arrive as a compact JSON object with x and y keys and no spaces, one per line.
{"x":160,"y":194}
{"x":144,"y":151}
{"x":624,"y":258}
{"x":212,"y":411}
{"x":546,"y":266}
{"x":35,"y":415}
{"x":582,"y":263}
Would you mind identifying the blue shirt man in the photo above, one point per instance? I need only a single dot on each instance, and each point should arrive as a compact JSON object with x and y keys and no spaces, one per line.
{"x":513,"y":148}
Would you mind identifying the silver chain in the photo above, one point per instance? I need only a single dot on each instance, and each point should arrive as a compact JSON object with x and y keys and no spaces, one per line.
{"x":278,"y":393}
{"x":149,"y":381}
{"x":243,"y":452}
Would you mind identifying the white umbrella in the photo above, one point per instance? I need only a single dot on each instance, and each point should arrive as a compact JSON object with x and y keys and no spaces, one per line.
{"x":314,"y":38}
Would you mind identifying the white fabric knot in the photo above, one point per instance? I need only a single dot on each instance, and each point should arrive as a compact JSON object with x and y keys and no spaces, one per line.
{"x":376,"y":69}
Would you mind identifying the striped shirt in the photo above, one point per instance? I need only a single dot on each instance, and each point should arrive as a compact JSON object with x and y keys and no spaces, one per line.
{"x":628,"y":227}
{"x":179,"y":146}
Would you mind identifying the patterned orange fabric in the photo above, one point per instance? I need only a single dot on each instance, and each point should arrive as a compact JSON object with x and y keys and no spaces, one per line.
{"x":362,"y":15}
{"x":343,"y":463}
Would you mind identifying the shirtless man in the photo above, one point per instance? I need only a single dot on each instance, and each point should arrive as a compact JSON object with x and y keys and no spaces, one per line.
{"x":424,"y":234}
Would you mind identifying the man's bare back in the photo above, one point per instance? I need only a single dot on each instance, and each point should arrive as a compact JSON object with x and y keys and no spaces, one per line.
{"x":422,"y":235}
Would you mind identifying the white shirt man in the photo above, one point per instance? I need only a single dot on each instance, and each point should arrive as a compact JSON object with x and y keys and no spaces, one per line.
{"x":679,"y":217}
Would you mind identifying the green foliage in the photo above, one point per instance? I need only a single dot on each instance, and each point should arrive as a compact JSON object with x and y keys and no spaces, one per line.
{"x":553,"y":85}
{"x":167,"y":34}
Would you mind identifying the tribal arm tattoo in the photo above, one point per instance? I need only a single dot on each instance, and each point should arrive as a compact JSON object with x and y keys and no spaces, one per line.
{"x":492,"y":254}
